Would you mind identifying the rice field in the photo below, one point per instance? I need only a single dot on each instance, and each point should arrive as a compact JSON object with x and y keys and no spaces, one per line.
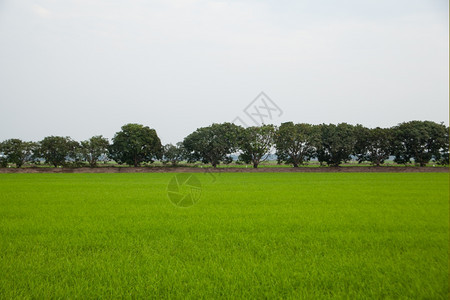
{"x":238,"y":235}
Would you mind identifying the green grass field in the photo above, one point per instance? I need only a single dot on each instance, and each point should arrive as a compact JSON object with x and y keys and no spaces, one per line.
{"x":262,"y":235}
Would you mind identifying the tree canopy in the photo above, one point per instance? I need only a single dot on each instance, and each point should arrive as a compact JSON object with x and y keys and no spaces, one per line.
{"x":373,"y":145}
{"x":56,"y":150}
{"x":416,"y":142}
{"x":255,"y":143}
{"x":419,"y":140}
{"x":135,"y":144}
{"x":173,"y":154}
{"x":17,"y":152}
{"x":335,"y":144}
{"x":93,"y":149}
{"x":213,"y":144}
{"x":295,"y":143}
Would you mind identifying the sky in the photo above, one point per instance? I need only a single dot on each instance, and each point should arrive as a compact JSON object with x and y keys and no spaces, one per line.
{"x":81,"y":68}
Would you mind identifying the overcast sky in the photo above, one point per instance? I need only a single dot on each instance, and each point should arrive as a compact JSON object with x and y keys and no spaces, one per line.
{"x":86,"y":67}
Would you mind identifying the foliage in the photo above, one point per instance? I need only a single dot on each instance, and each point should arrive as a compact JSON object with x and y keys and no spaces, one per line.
{"x":3,"y":162}
{"x":373,"y":145}
{"x":421,"y":141}
{"x":442,"y":156}
{"x":3,"y":157}
{"x":295,"y":143}
{"x":93,"y":149}
{"x":17,"y":152}
{"x":335,"y":144}
{"x":58,"y":150}
{"x":173,"y":154}
{"x":135,"y":144}
{"x":256,"y":143}
{"x":213,"y":144}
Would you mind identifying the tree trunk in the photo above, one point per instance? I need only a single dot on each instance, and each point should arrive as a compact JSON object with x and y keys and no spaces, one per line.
{"x":255,"y":165}
{"x":295,"y":165}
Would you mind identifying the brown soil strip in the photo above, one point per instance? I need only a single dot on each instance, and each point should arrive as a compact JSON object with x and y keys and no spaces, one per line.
{"x":229,"y":170}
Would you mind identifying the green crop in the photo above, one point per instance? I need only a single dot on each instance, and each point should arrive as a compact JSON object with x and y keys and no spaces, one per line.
{"x":249,"y":235}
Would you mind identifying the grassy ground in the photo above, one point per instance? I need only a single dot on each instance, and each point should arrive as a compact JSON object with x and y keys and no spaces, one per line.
{"x":264,"y":235}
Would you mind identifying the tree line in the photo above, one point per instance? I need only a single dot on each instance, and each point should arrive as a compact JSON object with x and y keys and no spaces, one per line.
{"x":417,"y":142}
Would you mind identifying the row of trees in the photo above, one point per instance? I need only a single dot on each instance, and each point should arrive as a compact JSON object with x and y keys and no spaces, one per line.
{"x":331,"y":144}
{"x":295,"y":144}
{"x":133,"y":145}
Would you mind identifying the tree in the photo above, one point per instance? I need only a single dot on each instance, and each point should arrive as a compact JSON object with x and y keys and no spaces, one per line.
{"x":173,"y":154}
{"x":373,"y":145}
{"x":94,"y":148}
{"x":295,"y":143}
{"x":3,"y":158}
{"x":3,"y":162}
{"x":212,"y":144}
{"x":135,"y":144}
{"x":336,"y":143}
{"x":57,"y":150}
{"x":419,"y":140}
{"x":256,"y":143}
{"x":442,"y":156}
{"x":17,"y":151}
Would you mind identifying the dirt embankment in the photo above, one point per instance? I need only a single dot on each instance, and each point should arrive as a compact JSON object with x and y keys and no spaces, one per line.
{"x":228,"y":170}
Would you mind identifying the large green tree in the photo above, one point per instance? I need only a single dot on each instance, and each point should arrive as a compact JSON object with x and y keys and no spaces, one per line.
{"x":373,"y":144}
{"x":17,"y":151}
{"x":57,"y":150}
{"x":93,"y":149}
{"x":420,"y":141}
{"x":213,"y":144}
{"x":135,"y":144}
{"x":295,"y":143}
{"x":256,"y":143}
{"x":335,"y":144}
